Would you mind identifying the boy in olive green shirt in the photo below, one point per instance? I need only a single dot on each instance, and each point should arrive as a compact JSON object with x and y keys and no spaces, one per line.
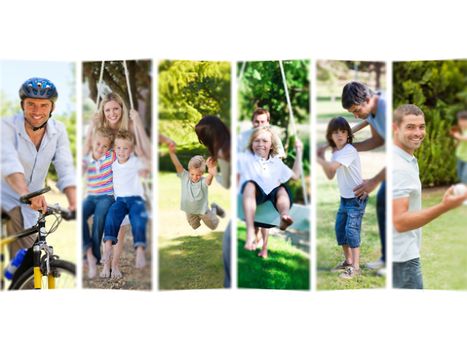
{"x":460,"y":134}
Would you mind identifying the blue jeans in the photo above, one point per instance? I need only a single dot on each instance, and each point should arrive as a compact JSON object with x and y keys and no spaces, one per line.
{"x":97,"y":206}
{"x":407,"y":274}
{"x":134,"y":206}
{"x":349,"y":221}
{"x":381,"y":216}
{"x":462,"y":171}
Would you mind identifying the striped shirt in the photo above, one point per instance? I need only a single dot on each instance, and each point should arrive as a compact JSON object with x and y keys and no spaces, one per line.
{"x":100,"y":176}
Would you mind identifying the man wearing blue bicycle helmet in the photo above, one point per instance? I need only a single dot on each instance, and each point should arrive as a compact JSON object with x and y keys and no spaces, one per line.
{"x":31,"y":141}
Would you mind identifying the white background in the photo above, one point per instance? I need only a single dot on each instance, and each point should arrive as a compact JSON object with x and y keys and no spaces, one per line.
{"x":365,"y":30}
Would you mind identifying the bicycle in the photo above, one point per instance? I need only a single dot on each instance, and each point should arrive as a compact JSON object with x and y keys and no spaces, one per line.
{"x":41,"y":268}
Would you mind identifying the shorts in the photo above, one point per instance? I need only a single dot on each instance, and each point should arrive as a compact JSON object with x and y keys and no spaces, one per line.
{"x":349,"y":221}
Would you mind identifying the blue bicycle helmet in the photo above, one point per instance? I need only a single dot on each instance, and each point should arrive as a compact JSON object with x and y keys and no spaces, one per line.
{"x":38,"y":88}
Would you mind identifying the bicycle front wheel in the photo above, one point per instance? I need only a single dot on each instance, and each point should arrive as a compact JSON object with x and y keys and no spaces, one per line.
{"x":64,"y":272}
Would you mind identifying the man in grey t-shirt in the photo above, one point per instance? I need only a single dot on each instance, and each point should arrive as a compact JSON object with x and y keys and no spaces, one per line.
{"x":408,"y":215}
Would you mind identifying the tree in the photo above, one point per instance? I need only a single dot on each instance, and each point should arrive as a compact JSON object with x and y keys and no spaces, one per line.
{"x":261,"y":86}
{"x":189,"y":90}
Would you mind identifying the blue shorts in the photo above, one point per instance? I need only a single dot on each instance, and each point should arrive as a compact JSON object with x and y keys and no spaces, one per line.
{"x":262,"y":197}
{"x":349,"y":221}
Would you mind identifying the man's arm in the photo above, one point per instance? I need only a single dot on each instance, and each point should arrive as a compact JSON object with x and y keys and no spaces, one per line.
{"x":367,"y":186}
{"x":369,"y":144}
{"x":70,"y":193}
{"x":360,"y":126}
{"x":404,"y":220}
{"x":17,"y":182}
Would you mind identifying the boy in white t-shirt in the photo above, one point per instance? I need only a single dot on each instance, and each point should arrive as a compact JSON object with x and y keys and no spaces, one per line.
{"x":345,"y":164}
{"x":262,"y":176}
{"x":129,"y":194}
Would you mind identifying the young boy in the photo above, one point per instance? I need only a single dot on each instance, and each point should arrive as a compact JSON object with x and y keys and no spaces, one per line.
{"x":460,"y":134}
{"x":100,"y":194}
{"x":129,"y":201}
{"x":194,"y":200}
{"x":345,"y":165}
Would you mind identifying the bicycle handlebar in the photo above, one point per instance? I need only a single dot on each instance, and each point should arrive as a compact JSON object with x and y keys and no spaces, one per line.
{"x":26,"y":199}
{"x":64,"y":213}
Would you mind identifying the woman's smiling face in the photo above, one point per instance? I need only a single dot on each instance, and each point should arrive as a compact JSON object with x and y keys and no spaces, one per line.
{"x":112,"y":113}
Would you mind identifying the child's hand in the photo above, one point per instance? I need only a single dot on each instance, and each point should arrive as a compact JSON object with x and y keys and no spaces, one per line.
{"x":172,"y":147}
{"x":321,"y":150}
{"x":133,"y":114}
{"x":298,"y":145}
{"x":144,"y":173}
{"x":212,"y":166}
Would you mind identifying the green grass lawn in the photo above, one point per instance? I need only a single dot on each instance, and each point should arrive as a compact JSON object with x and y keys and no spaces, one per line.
{"x":331,"y":109}
{"x":444,"y":246}
{"x":285,"y":268}
{"x":188,"y":259}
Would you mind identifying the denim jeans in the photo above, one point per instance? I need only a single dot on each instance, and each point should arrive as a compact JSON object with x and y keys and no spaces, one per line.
{"x":381,"y":216}
{"x":97,"y":206}
{"x":462,"y":171}
{"x":407,"y":274}
{"x":134,"y":206}
{"x":349,"y":221}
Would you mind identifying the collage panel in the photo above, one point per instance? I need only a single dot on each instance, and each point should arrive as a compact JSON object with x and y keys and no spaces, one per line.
{"x":194,"y":174}
{"x":351,"y":182}
{"x":38,"y":190}
{"x":116,"y":174}
{"x":273,"y":175}
{"x":430,"y":174}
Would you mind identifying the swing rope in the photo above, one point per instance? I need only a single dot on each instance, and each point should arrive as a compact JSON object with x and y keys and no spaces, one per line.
{"x":294,"y":129}
{"x":127,"y":77}
{"x":99,"y":84}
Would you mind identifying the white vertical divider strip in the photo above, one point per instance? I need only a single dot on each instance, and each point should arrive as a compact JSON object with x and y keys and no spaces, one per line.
{"x":233,"y":180}
{"x":79,"y":175}
{"x":389,"y":150}
{"x":313,"y":139}
{"x":155,"y":174}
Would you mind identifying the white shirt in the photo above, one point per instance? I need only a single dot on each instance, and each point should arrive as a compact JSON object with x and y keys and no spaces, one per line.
{"x":406,"y":183}
{"x":20,"y":155}
{"x":349,"y":174}
{"x":126,"y":178}
{"x":267,"y":173}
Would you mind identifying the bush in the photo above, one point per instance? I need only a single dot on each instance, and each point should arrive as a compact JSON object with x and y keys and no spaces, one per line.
{"x":184,"y":154}
{"x":439,"y":88}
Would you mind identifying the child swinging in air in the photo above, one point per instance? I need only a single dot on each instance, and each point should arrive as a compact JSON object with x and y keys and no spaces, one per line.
{"x":129,"y":194}
{"x":345,"y":164}
{"x":194,"y":200}
{"x":262,"y":176}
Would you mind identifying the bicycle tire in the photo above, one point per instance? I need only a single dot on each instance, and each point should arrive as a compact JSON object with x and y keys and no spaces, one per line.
{"x":66,"y":278}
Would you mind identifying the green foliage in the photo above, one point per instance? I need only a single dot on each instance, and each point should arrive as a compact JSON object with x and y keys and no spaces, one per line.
{"x":439,"y":88}
{"x":261,"y":86}
{"x":7,"y":107}
{"x":70,"y":124}
{"x":184,"y":154}
{"x":189,"y":90}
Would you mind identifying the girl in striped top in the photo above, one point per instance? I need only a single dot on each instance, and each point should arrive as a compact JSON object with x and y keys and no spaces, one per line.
{"x":100,"y":194}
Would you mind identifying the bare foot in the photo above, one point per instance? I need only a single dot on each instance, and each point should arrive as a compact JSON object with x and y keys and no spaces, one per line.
{"x":92,"y":265}
{"x":286,"y":221}
{"x":116,"y":273}
{"x":105,"y":273}
{"x":140,"y":260}
{"x":250,"y":245}
{"x":263,"y":253}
